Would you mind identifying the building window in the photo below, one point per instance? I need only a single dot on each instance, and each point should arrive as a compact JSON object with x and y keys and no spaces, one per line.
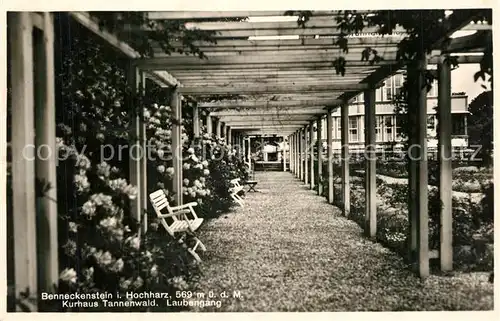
{"x":398,"y":83}
{"x":398,"y":119}
{"x":378,"y":128}
{"x":387,"y":93}
{"x":353,"y":129}
{"x":458,"y":124}
{"x":336,"y":123}
{"x":434,"y":90}
{"x":392,"y":87}
{"x":388,"y":129}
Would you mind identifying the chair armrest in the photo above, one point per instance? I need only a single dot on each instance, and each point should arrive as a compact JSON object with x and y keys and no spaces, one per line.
{"x":183,"y":206}
{"x":178,"y":213}
{"x":186,"y":208}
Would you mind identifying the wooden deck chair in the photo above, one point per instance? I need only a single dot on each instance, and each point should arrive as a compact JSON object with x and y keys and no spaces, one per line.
{"x":180,"y":222}
{"x":235,"y":189}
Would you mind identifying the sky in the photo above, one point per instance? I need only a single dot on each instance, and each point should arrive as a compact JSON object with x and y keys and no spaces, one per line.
{"x":462,"y":80}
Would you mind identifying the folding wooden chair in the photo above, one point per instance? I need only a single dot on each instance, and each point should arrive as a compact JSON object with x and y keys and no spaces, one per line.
{"x":180,"y":222}
{"x":235,"y":189}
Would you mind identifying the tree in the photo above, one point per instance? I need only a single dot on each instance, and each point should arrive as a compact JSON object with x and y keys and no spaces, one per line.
{"x":480,"y":125}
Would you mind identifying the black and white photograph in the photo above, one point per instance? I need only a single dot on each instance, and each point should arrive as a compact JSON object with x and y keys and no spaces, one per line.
{"x":328,"y":159}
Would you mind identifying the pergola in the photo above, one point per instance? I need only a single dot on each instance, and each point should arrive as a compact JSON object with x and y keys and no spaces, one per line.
{"x":283,"y":87}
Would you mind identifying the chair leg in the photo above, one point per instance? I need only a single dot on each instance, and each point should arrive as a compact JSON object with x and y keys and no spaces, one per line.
{"x":195,"y":255}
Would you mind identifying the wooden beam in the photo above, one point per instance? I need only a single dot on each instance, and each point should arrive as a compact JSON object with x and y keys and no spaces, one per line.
{"x":267,"y":126}
{"x":352,"y":72}
{"x":93,"y":25}
{"x":255,"y":81}
{"x":256,"y":89}
{"x":271,"y":112}
{"x":313,"y":23}
{"x":297,"y":31}
{"x":287,"y":63}
{"x":222,"y":79}
{"x":214,"y":50}
{"x":266,"y":118}
{"x":272,"y":82}
{"x":445,"y":165}
{"x":187,"y":15}
{"x":277,"y":122}
{"x":23,"y":154}
{"x":280,"y":105}
{"x":353,"y":59}
{"x":479,"y":40}
{"x":298,"y":43}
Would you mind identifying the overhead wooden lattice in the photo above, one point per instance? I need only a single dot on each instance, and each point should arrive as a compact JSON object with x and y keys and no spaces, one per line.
{"x":267,"y":78}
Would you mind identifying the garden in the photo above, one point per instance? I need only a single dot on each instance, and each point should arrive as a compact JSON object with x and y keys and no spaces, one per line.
{"x":472,"y":210}
{"x":100,"y":246}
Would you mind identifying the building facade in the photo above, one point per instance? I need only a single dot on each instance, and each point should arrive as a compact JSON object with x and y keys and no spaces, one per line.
{"x":388,"y":125}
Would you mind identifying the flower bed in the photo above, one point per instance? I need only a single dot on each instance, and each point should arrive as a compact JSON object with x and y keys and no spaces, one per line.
{"x":472,"y":222}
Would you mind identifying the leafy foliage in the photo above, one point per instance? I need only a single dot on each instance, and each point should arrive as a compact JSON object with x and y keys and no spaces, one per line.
{"x":480,"y":125}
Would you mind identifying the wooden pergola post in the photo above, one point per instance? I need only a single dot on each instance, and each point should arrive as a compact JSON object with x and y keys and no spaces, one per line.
{"x":228,"y":136}
{"x":218,"y":128}
{"x":445,"y":166}
{"x":412,"y":164}
{"x":196,"y":121}
{"x":23,"y":153}
{"x":45,"y":167}
{"x":319,"y":140}
{"x":297,"y":135}
{"x":344,"y":137}
{"x":296,"y":154}
{"x":249,"y":151}
{"x":244,"y":146}
{"x":422,"y":174}
{"x":136,"y":79}
{"x":284,"y":154}
{"x":290,"y":152}
{"x":177,"y":145}
{"x":223,"y":131}
{"x":209,"y":124}
{"x":370,"y":165}
{"x":307,"y":149}
{"x":311,"y":148}
{"x":329,"y":139}
{"x":303,"y":162}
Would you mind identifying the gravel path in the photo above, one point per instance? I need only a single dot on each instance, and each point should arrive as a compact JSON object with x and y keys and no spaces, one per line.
{"x":288,"y":250}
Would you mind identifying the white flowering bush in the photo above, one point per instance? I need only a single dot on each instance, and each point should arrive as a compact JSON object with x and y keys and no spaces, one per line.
{"x":100,"y":247}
